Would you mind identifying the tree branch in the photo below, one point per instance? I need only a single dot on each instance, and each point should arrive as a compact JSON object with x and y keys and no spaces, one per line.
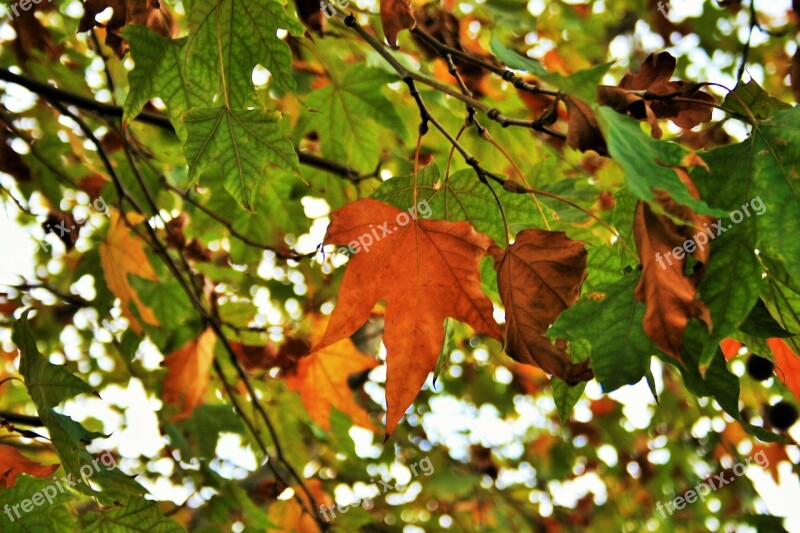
{"x":23,"y":420}
{"x":54,"y":94}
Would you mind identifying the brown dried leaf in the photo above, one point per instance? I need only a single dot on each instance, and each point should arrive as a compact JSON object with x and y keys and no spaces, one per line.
{"x":10,"y":161}
{"x":310,"y":14}
{"x":32,"y":35}
{"x":396,"y":15}
{"x":255,"y":357}
{"x":63,"y":226}
{"x":665,"y":288}
{"x":653,"y":77}
{"x":538,"y":277}
{"x":584,"y":131}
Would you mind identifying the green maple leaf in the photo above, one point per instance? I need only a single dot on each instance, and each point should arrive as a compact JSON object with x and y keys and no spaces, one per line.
{"x":761,"y":168}
{"x":228,"y":38}
{"x":345,"y":113}
{"x":236,"y":146}
{"x":49,"y":385}
{"x":159,"y":73}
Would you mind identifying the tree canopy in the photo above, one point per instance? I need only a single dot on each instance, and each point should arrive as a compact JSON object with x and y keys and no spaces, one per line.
{"x":399,"y":266}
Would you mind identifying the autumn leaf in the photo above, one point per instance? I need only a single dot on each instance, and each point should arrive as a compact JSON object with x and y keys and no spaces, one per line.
{"x":730,"y":348}
{"x":13,"y":463}
{"x":309,"y":12}
{"x":787,"y":365}
{"x":151,"y":13}
{"x":653,"y":77}
{"x":444,"y":26}
{"x":538,"y":277}
{"x":321,"y":378}
{"x":396,"y":15}
{"x":188,"y":373}
{"x":288,"y":515}
{"x":122,"y":254}
{"x":425,"y":271}
{"x":584,"y":131}
{"x":667,"y":291}
{"x":32,"y":35}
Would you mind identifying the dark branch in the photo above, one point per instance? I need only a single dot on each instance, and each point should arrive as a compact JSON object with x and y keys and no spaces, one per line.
{"x":22,"y":420}
{"x":54,"y":94}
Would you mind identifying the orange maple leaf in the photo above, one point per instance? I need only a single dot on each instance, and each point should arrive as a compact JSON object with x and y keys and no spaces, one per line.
{"x":538,"y":277}
{"x":787,"y":365}
{"x":122,"y":254}
{"x":321,"y":378}
{"x":730,"y":348}
{"x":425,"y":271}
{"x":13,"y":463}
{"x":188,"y":373}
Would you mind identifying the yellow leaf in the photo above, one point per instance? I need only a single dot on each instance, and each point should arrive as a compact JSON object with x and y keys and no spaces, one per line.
{"x":188,"y":373}
{"x":122,"y":254}
{"x":321,"y":378}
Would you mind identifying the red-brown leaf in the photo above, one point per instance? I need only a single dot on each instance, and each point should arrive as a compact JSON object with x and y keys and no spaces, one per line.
{"x":396,"y":15}
{"x":584,"y":131}
{"x":664,"y":287}
{"x":13,"y":463}
{"x":538,"y":277}
{"x":654,"y":77}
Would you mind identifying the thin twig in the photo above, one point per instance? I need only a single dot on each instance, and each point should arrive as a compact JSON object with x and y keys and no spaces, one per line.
{"x":503,"y":72}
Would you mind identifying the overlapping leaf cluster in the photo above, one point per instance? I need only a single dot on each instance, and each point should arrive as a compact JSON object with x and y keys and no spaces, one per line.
{"x":513,"y":226}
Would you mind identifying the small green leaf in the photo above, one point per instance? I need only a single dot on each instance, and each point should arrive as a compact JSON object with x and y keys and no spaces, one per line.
{"x":344,"y":113}
{"x":750,"y":99}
